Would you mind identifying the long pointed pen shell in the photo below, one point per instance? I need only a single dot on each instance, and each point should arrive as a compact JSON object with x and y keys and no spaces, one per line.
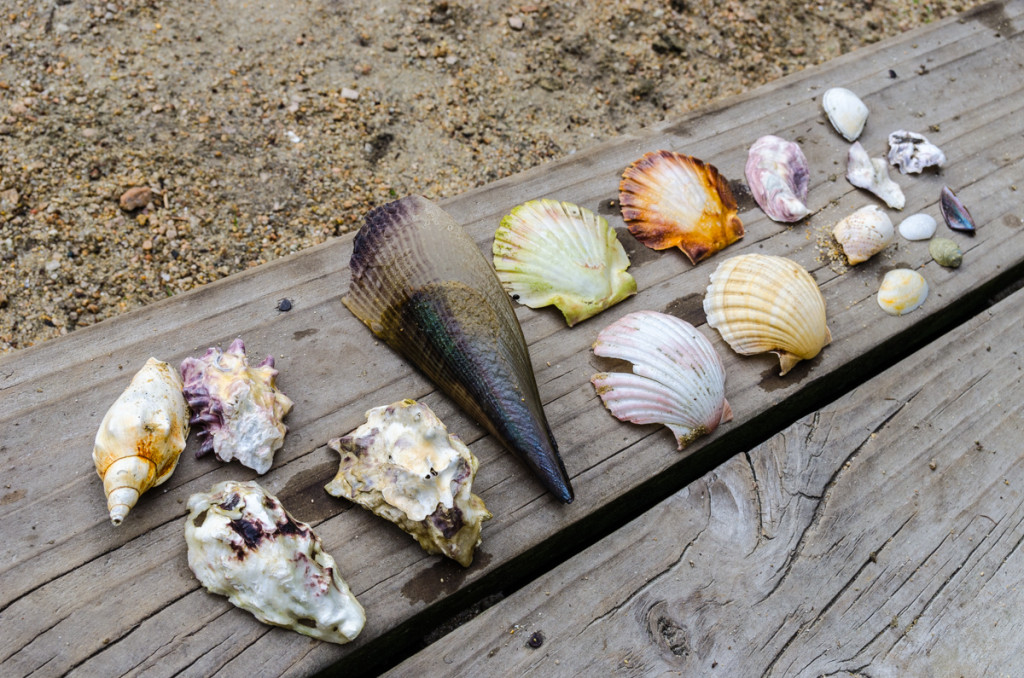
{"x":421,"y":284}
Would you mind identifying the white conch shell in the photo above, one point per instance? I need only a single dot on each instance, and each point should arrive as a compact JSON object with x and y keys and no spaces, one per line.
{"x":677,"y":379}
{"x":550,"y":252}
{"x":911,"y":152}
{"x":403,"y":465}
{"x":762,"y":303}
{"x":778,"y":176}
{"x":918,"y":226}
{"x":864,"y":233}
{"x":237,"y":409}
{"x":141,"y":437}
{"x":845,"y":111}
{"x":243,"y":544}
{"x":873,"y":174}
{"x":902,"y":291}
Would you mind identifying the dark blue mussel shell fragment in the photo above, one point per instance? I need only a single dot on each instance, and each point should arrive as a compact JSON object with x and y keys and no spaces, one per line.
{"x":421,"y":284}
{"x":956,"y":215}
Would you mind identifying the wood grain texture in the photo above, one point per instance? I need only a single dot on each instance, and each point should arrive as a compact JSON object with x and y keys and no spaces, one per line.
{"x":76,"y":594}
{"x":879,"y":536}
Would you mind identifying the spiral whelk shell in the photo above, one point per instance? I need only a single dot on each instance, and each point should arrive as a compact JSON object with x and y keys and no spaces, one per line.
{"x":762,"y":303}
{"x":677,"y":380}
{"x":864,"y":233}
{"x":141,"y":437}
{"x":549,"y":252}
{"x":779,"y":177}
{"x":674,"y":200}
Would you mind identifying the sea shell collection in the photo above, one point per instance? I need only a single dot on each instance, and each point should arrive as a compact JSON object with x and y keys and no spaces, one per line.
{"x":421,"y":284}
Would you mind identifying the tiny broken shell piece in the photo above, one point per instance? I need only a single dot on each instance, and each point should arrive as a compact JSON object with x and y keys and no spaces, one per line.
{"x":243,"y":544}
{"x":550,"y":252}
{"x":911,"y":152}
{"x":677,"y":380}
{"x":945,"y":252}
{"x":141,"y":437}
{"x":779,"y":176}
{"x":955,"y":213}
{"x":845,"y":111}
{"x":872,"y":174}
{"x":403,"y":465}
{"x":237,"y":408}
{"x":864,"y":233}
{"x":918,"y":226}
{"x":674,"y":200}
{"x":902,"y":291}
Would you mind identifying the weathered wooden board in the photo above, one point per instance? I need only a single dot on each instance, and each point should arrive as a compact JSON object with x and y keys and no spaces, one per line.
{"x":78,"y":594}
{"x":879,"y":536}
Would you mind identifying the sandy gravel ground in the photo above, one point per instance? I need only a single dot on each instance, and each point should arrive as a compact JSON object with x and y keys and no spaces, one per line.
{"x":150,"y":147}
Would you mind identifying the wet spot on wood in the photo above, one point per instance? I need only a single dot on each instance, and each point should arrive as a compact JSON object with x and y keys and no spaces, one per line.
{"x":689,"y":308}
{"x":1013,"y":221}
{"x":12,"y":497}
{"x":443,"y":578}
{"x":609,"y":207}
{"x":536,"y":640}
{"x":638,"y":252}
{"x":305,"y":497}
{"x":302,"y":334}
{"x":744,"y":198}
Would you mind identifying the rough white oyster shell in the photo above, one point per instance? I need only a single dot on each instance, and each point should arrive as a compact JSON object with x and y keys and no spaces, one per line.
{"x":403,"y":465}
{"x":845,"y":111}
{"x":911,"y":152}
{"x":243,"y":544}
{"x":237,"y":408}
{"x":872,"y":174}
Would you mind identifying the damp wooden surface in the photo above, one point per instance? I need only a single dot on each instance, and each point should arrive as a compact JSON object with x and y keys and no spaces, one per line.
{"x":78,"y":596}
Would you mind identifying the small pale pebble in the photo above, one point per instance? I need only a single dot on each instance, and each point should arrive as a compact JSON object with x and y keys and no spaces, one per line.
{"x":349,"y":94}
{"x":147,"y":244}
{"x":451,"y":60}
{"x":918,"y":226}
{"x":293,"y":137}
{"x":515,"y":23}
{"x":136,"y":198}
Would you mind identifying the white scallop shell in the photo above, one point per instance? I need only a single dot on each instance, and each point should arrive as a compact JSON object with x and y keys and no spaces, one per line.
{"x":918,"y":226}
{"x":762,"y":303}
{"x":872,"y":174}
{"x":243,"y":544}
{"x":550,"y":252}
{"x":677,"y":379}
{"x":864,"y":233}
{"x":902,"y":291}
{"x":845,"y":111}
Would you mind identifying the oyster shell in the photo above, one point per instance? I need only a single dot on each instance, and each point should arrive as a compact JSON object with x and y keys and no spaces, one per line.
{"x":243,"y":544}
{"x":141,"y":437}
{"x":762,"y":303}
{"x":871,"y":174}
{"x":237,"y":408}
{"x":420,"y":283}
{"x":864,"y":233}
{"x":911,"y":152}
{"x":677,"y":379}
{"x":902,"y":291}
{"x":955,"y":213}
{"x":945,"y":252}
{"x":549,"y":252}
{"x":845,"y":111}
{"x":403,"y":465}
{"x":674,"y":200}
{"x":779,"y":176}
{"x":918,"y":226}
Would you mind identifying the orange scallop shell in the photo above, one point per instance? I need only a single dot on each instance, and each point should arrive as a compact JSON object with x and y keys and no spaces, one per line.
{"x":673,"y":200}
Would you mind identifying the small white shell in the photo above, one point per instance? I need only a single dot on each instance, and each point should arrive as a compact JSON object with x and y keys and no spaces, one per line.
{"x":845,"y":111}
{"x":864,"y":233}
{"x":902,"y":291}
{"x":911,"y":152}
{"x":677,"y":379}
{"x":873,"y":174}
{"x":243,"y":544}
{"x":918,"y":226}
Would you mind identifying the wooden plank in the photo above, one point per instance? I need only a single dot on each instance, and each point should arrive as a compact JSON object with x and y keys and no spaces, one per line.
{"x":61,"y":559}
{"x":878,"y":536}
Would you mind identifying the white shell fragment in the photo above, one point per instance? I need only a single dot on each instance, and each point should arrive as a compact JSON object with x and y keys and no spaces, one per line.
{"x":243,"y":544}
{"x":918,"y":226}
{"x":237,"y":408}
{"x":872,"y":174}
{"x":677,"y":379}
{"x":864,"y":233}
{"x":550,"y":252}
{"x":403,"y":465}
{"x":778,"y":176}
{"x":902,"y":291}
{"x":911,"y":152}
{"x":141,"y":437}
{"x":845,"y":111}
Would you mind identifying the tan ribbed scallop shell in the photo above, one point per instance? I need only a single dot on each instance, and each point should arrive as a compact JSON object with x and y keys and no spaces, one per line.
{"x":761,"y":303}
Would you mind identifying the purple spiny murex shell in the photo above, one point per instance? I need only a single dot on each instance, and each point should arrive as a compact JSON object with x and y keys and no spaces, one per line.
{"x":778,"y":175}
{"x":237,"y":409}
